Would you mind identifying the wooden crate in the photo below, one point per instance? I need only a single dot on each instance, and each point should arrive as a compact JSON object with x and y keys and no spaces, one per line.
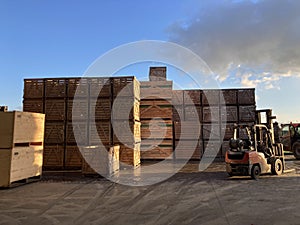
{"x":54,"y":132}
{"x":126,"y":108}
{"x":20,"y":128}
{"x":100,"y":131}
{"x":156,"y":89}
{"x":96,"y":160}
{"x":158,"y":73}
{"x":228,"y":130}
{"x":53,"y":157}
{"x":213,"y":149}
{"x":33,"y":105}
{"x":210,"y":114}
{"x":78,"y":87}
{"x":211,"y":97}
{"x":192,"y":97}
{"x":130,"y":155}
{"x":247,"y":113}
{"x":126,"y":87}
{"x":100,"y":109}
{"x":178,"y":113}
{"x":81,"y":129}
{"x":55,"y":88}
{"x":225,"y":147}
{"x":187,"y":149}
{"x":246,"y":96}
{"x":100,"y":87}
{"x":157,"y":149}
{"x":55,"y":109}
{"x":155,"y":108}
{"x":162,"y":129}
{"x":20,"y":163}
{"x":229,"y":114}
{"x":33,"y":88}
{"x":177,"y":97}
{"x":126,"y":131}
{"x":187,"y":130}
{"x":78,"y":109}
{"x":73,"y":157}
{"x":229,"y":96}
{"x":192,"y":113}
{"x":211,"y":131}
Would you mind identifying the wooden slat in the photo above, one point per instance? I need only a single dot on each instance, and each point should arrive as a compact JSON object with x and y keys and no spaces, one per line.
{"x":81,"y":129}
{"x":55,"y":88}
{"x":156,"y":89}
{"x":54,"y":132}
{"x":188,"y":149}
{"x":55,"y":109}
{"x":100,"y":109}
{"x":247,"y":113}
{"x":78,"y":109}
{"x":156,"y":129}
{"x":33,"y":88}
{"x":246,"y":96}
{"x":73,"y":158}
{"x":156,"y":149}
{"x":100,"y":87}
{"x":126,"y":132}
{"x":78,"y":87}
{"x":33,"y":105}
{"x":210,"y":114}
{"x":211,"y":97}
{"x":53,"y":157}
{"x":192,"y":97}
{"x":100,"y":131}
{"x":155,"y":108}
{"x":130,"y":155}
{"x":229,"y":96}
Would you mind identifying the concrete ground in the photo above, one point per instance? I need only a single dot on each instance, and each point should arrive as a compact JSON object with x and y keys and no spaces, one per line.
{"x":188,"y":197}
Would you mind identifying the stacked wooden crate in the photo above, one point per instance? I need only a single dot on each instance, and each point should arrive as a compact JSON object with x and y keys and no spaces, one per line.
{"x":90,"y":114}
{"x":187,"y":118}
{"x":156,"y":116}
{"x":218,"y":111}
{"x":21,"y":146}
{"x":126,"y":124}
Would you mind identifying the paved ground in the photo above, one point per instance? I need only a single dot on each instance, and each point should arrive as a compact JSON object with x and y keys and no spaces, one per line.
{"x":189,"y":197}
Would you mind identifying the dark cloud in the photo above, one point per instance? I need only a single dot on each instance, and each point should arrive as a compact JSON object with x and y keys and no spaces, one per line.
{"x":226,"y":34}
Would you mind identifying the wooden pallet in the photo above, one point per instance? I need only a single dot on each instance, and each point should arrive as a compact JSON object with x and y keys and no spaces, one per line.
{"x":187,"y":149}
{"x":210,"y":114}
{"x":78,"y":87}
{"x":155,"y":108}
{"x":247,"y":113}
{"x":177,"y":97}
{"x":126,"y":109}
{"x":211,"y":131}
{"x":73,"y":157}
{"x":211,"y":97}
{"x":53,"y":157}
{"x":100,"y":131}
{"x":192,"y":97}
{"x":33,"y":105}
{"x":81,"y":129}
{"x":130,"y":155}
{"x":100,"y":87}
{"x":229,"y":96}
{"x":229,"y":114}
{"x":100,"y":109}
{"x":156,"y":149}
{"x":187,"y":130}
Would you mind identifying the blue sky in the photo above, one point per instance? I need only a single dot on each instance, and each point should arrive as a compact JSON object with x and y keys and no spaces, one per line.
{"x":245,"y":43}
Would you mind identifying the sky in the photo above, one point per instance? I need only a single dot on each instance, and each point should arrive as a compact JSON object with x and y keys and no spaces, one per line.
{"x":245,"y":43}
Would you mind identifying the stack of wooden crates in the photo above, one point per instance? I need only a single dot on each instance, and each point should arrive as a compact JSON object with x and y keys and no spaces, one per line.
{"x":21,"y":146}
{"x":90,"y":114}
{"x":156,"y":115}
{"x":218,"y":110}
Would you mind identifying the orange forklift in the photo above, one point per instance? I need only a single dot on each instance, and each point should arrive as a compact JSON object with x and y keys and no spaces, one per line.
{"x":253,"y":151}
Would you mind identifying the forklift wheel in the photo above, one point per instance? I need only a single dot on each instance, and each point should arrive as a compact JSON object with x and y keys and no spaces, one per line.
{"x":277,"y":167}
{"x":255,"y":172}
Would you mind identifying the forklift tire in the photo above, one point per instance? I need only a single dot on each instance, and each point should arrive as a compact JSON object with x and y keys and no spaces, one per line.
{"x":277,"y":167}
{"x":255,"y":172}
{"x":296,"y":150}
